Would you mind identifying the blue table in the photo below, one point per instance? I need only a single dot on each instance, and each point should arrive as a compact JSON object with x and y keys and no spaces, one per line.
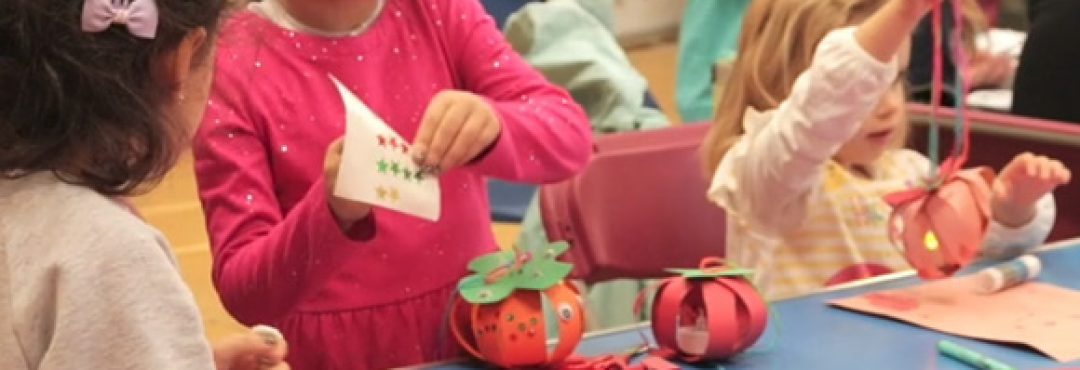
{"x":806,"y":333}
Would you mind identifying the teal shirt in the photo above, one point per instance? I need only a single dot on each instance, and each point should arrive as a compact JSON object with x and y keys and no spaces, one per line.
{"x":710,"y":32}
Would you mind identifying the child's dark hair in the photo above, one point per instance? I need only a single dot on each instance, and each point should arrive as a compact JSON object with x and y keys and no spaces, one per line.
{"x":89,"y":106}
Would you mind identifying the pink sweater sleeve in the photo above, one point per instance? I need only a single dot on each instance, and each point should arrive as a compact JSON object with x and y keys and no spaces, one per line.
{"x":545,"y":136}
{"x":265,"y":260}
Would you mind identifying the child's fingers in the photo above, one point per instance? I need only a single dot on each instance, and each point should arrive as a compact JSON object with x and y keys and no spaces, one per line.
{"x":276,"y":357}
{"x":468,"y":139}
{"x":449,"y":127}
{"x":428,"y":125}
{"x":274,"y":346}
{"x":238,"y":351}
{"x":1059,"y":173}
{"x":1046,"y":170}
{"x":333,"y":152}
{"x":331,"y":163}
{"x":1030,"y":166}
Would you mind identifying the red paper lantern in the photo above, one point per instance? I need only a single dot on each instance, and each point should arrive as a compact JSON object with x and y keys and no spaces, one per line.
{"x":941,"y":230}
{"x":707,"y":314}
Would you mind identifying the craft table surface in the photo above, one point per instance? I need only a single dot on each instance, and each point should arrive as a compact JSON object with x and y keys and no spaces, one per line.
{"x":806,"y":333}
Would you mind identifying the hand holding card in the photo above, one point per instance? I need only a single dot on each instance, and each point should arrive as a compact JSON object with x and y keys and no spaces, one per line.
{"x":377,"y":168}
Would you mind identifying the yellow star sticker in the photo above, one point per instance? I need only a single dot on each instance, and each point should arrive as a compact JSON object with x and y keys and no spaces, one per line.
{"x":381,"y":192}
{"x":394,"y":195}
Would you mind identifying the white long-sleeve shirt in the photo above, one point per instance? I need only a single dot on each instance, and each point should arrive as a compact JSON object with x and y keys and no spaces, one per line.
{"x":804,"y":221}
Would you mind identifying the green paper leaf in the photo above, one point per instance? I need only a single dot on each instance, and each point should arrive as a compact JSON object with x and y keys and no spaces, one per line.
{"x":542,"y":274}
{"x":551,"y":251}
{"x":491,"y":261}
{"x":542,"y":271}
{"x":711,"y":274}
{"x":474,"y":290}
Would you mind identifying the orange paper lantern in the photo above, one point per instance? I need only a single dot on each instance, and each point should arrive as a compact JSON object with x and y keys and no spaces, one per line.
{"x":509,"y":301}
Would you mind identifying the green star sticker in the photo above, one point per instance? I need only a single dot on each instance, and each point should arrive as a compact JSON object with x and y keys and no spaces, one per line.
{"x":382,"y":166}
{"x":395,"y":168}
{"x":406,"y":174}
{"x":419,"y":176}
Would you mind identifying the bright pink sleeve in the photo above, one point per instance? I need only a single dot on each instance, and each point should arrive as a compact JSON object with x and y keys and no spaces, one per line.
{"x":546,"y":136}
{"x":265,"y":259}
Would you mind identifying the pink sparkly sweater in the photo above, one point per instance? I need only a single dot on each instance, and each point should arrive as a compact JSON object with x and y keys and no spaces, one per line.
{"x":273,"y":111}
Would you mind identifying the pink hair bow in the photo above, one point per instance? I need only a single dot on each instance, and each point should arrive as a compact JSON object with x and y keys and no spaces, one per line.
{"x":140,"y":16}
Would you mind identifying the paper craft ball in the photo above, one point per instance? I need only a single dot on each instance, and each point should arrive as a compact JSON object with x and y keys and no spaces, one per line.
{"x":707,"y":319}
{"x":512,"y":333}
{"x":942,"y":230}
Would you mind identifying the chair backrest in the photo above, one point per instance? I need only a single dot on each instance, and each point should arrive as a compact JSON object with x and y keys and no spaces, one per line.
{"x":997,"y":138}
{"x":638,"y":208}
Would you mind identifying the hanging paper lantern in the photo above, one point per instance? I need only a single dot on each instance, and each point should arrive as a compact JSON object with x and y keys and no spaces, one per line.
{"x":941,"y":230}
{"x":707,"y":314}
{"x":941,"y":226}
{"x":510,"y":298}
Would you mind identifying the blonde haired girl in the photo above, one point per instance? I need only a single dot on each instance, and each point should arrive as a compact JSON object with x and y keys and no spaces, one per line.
{"x":808,"y":139}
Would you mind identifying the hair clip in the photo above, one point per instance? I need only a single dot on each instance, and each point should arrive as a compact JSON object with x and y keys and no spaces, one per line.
{"x":140,"y":16}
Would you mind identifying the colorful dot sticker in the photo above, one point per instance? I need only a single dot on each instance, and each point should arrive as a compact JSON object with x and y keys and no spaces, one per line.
{"x":565,"y":312}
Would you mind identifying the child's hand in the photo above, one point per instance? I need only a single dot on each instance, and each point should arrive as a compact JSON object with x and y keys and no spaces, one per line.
{"x":457,"y":127}
{"x":987,"y":70}
{"x":347,"y":212}
{"x":249,"y":351}
{"x":889,"y":28}
{"x":1020,"y":185}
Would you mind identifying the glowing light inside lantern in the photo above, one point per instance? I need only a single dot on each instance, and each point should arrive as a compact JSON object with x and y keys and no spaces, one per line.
{"x":931,"y":241}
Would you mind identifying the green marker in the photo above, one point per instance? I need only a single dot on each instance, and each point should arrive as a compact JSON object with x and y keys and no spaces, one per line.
{"x":970,"y":357}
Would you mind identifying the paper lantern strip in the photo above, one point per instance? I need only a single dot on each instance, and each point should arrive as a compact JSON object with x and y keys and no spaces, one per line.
{"x":707,"y":314}
{"x":941,"y":230}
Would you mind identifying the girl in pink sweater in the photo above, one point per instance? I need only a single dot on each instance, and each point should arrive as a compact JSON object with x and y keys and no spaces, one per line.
{"x":350,"y":286}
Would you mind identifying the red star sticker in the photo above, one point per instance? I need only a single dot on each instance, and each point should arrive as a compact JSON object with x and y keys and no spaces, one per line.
{"x":393,"y":143}
{"x":382,"y":140}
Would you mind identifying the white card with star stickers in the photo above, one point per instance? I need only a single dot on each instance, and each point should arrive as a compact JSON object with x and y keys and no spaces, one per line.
{"x":376,"y":167}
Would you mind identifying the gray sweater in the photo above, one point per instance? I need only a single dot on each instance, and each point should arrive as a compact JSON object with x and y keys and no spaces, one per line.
{"x":85,"y":284}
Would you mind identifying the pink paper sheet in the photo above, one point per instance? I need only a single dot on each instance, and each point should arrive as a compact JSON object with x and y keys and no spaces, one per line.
{"x":1044,"y":317}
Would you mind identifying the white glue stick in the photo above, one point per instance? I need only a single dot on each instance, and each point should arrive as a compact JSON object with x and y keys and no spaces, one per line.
{"x":1009,"y":274}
